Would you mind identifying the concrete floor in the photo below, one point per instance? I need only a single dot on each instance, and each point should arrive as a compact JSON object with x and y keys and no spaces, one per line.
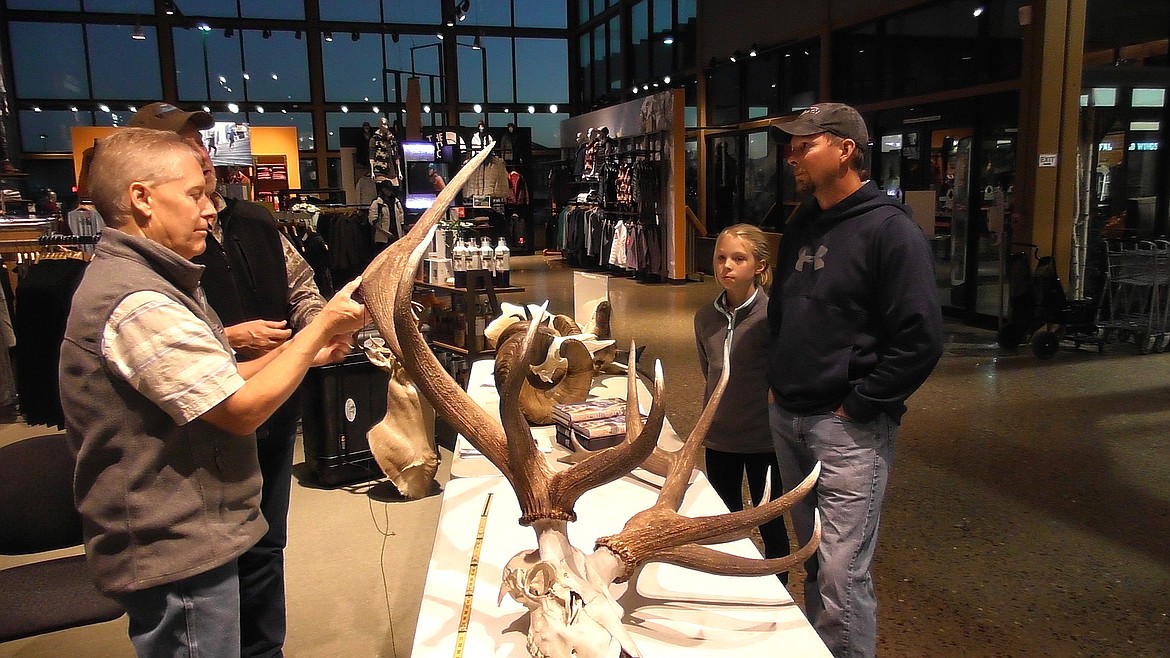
{"x":1028,"y":514}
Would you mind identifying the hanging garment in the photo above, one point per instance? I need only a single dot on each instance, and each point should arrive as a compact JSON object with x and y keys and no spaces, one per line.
{"x":517,"y":190}
{"x":43,"y":298}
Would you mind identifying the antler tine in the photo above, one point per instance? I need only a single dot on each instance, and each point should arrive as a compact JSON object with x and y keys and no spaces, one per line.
{"x":612,"y":463}
{"x":633,"y":408}
{"x":387,"y":284}
{"x":524,"y":460}
{"x":709,"y":560}
{"x":662,"y":534}
{"x":683,"y":460}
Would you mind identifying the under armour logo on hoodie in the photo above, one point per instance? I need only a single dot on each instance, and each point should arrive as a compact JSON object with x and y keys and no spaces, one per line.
{"x":818,"y":260}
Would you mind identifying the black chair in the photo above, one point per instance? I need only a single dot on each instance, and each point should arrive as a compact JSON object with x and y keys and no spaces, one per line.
{"x":37,"y":514}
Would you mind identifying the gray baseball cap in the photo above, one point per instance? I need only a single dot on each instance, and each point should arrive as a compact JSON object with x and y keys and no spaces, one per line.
{"x":836,"y":118}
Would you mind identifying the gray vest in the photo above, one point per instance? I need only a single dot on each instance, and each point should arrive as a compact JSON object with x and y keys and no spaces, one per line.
{"x":159,"y":502}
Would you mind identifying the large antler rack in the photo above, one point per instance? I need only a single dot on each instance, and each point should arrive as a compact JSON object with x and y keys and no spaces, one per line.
{"x":661,"y":534}
{"x":387,"y":286}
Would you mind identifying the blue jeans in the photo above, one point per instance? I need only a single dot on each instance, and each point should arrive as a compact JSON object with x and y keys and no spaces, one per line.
{"x":197,"y":617}
{"x":855,"y":468}
{"x":262,"y":612}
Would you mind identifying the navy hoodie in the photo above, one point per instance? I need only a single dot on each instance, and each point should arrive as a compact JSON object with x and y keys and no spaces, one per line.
{"x":853,"y":312}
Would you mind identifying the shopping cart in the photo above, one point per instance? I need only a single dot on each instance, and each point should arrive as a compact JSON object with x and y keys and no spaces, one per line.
{"x":1135,"y":299}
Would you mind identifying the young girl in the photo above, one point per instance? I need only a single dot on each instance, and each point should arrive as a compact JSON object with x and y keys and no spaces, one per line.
{"x":739,"y":440}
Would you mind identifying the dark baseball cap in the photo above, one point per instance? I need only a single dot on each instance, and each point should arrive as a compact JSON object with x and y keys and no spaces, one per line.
{"x":836,"y":118}
{"x":164,"y":116}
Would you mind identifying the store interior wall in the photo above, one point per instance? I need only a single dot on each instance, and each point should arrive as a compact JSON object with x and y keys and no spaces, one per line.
{"x":266,"y":141}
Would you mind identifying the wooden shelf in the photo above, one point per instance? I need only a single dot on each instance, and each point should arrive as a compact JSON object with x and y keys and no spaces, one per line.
{"x":447,"y":288}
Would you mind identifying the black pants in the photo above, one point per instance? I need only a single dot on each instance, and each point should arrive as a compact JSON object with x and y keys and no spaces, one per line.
{"x":262,"y":606}
{"x":725,"y":471}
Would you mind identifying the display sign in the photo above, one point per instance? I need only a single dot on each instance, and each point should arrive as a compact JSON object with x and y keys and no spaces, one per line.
{"x":1047,"y":159}
{"x":229,"y":143}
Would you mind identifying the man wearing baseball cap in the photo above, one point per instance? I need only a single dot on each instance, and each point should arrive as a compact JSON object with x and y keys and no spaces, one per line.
{"x":856,"y":328}
{"x":263,"y":290}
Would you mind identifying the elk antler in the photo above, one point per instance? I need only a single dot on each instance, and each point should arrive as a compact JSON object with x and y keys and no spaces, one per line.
{"x":661,"y":534}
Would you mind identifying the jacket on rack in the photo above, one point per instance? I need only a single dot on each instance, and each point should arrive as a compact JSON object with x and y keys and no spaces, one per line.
{"x":517,"y":189}
{"x":491,"y":180}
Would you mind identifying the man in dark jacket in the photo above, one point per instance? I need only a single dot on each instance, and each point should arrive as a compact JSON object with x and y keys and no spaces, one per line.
{"x":262,"y":290}
{"x":855,"y":329}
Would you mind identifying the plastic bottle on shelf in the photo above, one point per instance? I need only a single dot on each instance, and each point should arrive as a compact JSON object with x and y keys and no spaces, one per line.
{"x":503,"y":266}
{"x":459,"y":264}
{"x":487,"y":257}
{"x":473,"y":262}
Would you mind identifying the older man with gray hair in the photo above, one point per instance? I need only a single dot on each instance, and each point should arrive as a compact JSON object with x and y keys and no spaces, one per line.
{"x":157,"y":409}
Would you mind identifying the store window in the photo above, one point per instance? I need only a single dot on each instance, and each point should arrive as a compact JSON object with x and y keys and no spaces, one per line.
{"x":662,"y":38}
{"x":353,"y":69}
{"x":761,"y":184}
{"x":334,"y":121}
{"x":640,"y":40}
{"x":542,"y":70}
{"x":46,"y":5}
{"x":585,"y":43}
{"x":540,"y":13}
{"x":417,"y":54}
{"x":277,"y":67}
{"x":1148,"y":97}
{"x":685,"y":31}
{"x":309,"y":174}
{"x":723,"y":95}
{"x":600,"y":76}
{"x":122,"y":67}
{"x":546,"y":128}
{"x":499,"y":69}
{"x":50,"y":131}
{"x":208,"y":67}
{"x":302,"y":121}
{"x":114,"y":6}
{"x":724,"y":202}
{"x":490,"y":12}
{"x":280,"y":9}
{"x":49,"y":60}
{"x":760,"y":87}
{"x":472,"y":70}
{"x":218,"y":8}
{"x":615,"y":53}
{"x":800,"y":72}
{"x":422,"y":12}
{"x":366,"y":11}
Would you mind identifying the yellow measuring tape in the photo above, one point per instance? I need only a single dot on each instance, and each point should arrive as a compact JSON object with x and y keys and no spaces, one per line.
{"x":469,"y":592}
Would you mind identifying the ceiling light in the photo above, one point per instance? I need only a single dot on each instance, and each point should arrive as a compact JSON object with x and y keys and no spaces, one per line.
{"x":477,"y":44}
{"x":450,"y":22}
{"x":36,"y":108}
{"x":645,"y":87}
{"x":247,"y":77}
{"x":666,"y":79}
{"x":635,"y":89}
{"x":328,"y":35}
{"x":978,"y":12}
{"x":439,"y":35}
{"x":531,"y":109}
{"x":507,"y":111}
{"x":169,"y":8}
{"x":465,"y":6}
{"x":206,"y":109}
{"x":275,"y":77}
{"x":345,"y":108}
{"x":233,"y":108}
{"x":376,"y":110}
{"x":72,"y":108}
{"x":735,"y":56}
{"x":462,"y":16}
{"x":668,"y":39}
{"x":394,"y":37}
{"x":354,"y":36}
{"x":552,"y":108}
{"x":752,"y":52}
{"x":138,"y":34}
{"x":132,"y":108}
{"x":477,"y":108}
{"x":202,"y":27}
{"x":427,"y":109}
{"x":266,"y":33}
{"x":260,"y":109}
{"x":104,"y":108}
{"x":283,"y":111}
